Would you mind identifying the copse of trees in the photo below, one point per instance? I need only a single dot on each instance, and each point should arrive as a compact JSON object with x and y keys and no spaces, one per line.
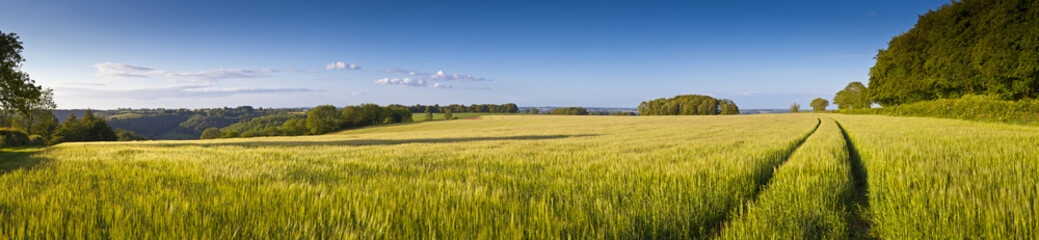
{"x":979,"y":47}
{"x":688,"y":105}
{"x":819,"y":104}
{"x":853,"y":96}
{"x":569,"y":111}
{"x":89,"y":128}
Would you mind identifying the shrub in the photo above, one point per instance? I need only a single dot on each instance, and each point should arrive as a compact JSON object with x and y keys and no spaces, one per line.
{"x":37,"y":140}
{"x":969,"y":107}
{"x":10,"y":137}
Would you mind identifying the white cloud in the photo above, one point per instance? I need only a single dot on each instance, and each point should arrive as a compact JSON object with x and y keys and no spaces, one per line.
{"x":403,"y":82}
{"x":341,"y":66}
{"x":440,"y":85}
{"x":440,"y":76}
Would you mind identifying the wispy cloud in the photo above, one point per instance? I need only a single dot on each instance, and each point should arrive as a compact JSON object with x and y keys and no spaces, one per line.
{"x":209,"y":75}
{"x":125,"y":70}
{"x":342,"y":66}
{"x":404,"y":72}
{"x":402,"y":82}
{"x":130,"y":71}
{"x":175,"y":92}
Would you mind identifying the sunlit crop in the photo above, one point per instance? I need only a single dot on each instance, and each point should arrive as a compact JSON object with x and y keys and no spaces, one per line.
{"x":499,"y":177}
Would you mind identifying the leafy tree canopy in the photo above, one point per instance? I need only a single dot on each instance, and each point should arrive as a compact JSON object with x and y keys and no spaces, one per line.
{"x":819,"y":104}
{"x":688,"y":105}
{"x":986,"y":47}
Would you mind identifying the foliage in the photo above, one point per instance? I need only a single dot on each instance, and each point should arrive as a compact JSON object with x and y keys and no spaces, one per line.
{"x":569,"y":111}
{"x":540,"y":177}
{"x":794,"y":108}
{"x":948,"y":179}
{"x":965,"y":47}
{"x":90,"y":128}
{"x":17,"y":90}
{"x":10,"y":137}
{"x":969,"y":107}
{"x":854,"y":96}
{"x":447,"y":114}
{"x":457,"y":108}
{"x":535,"y":111}
{"x":159,"y":123}
{"x":270,"y":125}
{"x":124,"y":135}
{"x":429,"y":114}
{"x":729,"y":107}
{"x":323,"y":119}
{"x":37,"y":140}
{"x":688,"y":105}
{"x":212,"y":133}
{"x":819,"y":104}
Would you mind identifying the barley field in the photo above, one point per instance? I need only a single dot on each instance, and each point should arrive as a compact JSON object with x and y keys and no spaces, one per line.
{"x":948,"y":179}
{"x":499,"y":177}
{"x":778,"y":176}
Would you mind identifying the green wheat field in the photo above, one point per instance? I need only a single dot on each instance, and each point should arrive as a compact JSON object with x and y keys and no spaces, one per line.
{"x":777,"y":176}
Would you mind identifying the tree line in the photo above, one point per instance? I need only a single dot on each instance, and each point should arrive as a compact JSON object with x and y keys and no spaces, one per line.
{"x":457,"y":108}
{"x":688,"y":105}
{"x":319,"y":120}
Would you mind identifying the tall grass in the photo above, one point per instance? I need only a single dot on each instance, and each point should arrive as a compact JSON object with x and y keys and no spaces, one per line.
{"x":809,"y":196}
{"x":500,"y":177}
{"x":948,"y":179}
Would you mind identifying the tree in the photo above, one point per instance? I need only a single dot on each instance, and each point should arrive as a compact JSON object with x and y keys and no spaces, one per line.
{"x":795,"y":107}
{"x":371,"y":114}
{"x":447,"y":115}
{"x":34,"y":108}
{"x":231,"y":134}
{"x":211,"y":133}
{"x":729,"y":107}
{"x":967,"y":47}
{"x":526,"y":111}
{"x":69,"y":131}
{"x":535,"y":111}
{"x":853,"y":96}
{"x":125,"y":135}
{"x":96,"y":129}
{"x":429,"y":114}
{"x":323,"y":119}
{"x":17,"y":90}
{"x":687,"y":105}
{"x":569,"y":111}
{"x":294,"y":127}
{"x":819,"y":104}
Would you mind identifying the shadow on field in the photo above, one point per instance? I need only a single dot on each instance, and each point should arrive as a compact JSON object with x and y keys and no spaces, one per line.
{"x":12,"y":159}
{"x":859,"y":221}
{"x":373,"y":142}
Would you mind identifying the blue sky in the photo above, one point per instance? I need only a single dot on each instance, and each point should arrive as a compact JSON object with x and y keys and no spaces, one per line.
{"x":200,"y":54}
